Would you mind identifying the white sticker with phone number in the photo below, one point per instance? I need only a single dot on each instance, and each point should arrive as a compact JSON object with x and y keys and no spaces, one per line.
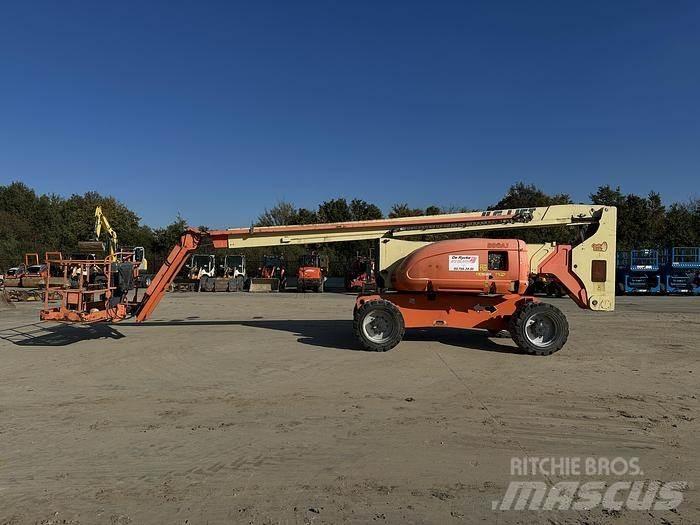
{"x":464,"y":263}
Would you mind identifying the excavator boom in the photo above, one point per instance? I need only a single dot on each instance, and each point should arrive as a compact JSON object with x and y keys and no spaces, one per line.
{"x":101,"y":223}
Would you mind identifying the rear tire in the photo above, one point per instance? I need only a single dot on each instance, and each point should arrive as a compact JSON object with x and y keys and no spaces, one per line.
{"x":378,"y":325}
{"x":539,"y":328}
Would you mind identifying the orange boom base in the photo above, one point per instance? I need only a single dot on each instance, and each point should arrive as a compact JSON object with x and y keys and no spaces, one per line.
{"x":451,"y":310}
{"x":469,"y":284}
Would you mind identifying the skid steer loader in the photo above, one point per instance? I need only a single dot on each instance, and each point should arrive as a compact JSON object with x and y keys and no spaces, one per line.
{"x":201,"y":271}
{"x":231,"y":275}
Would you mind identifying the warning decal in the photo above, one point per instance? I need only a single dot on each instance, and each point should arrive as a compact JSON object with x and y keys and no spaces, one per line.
{"x":464,"y":263}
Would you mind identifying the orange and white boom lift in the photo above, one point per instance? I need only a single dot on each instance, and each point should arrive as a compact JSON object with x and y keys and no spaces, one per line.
{"x":463,"y":283}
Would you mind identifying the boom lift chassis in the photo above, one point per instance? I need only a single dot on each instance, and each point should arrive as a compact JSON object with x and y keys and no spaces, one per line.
{"x":585,"y":270}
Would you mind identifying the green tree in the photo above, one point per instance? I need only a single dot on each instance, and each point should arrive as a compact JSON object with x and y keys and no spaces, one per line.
{"x":683,"y":224}
{"x":164,"y":239}
{"x":334,"y":210}
{"x":523,"y":195}
{"x":402,"y":209}
{"x":305,"y":216}
{"x":31,"y":223}
{"x":280,"y":214}
{"x":608,"y":196}
{"x":364,"y":211}
{"x":18,"y":223}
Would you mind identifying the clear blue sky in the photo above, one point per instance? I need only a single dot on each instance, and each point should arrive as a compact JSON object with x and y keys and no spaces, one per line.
{"x":218,"y":109}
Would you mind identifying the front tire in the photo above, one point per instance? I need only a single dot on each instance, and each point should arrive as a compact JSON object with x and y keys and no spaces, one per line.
{"x":236,"y":284}
{"x":539,"y":328}
{"x":206,"y":284}
{"x":379,"y":325}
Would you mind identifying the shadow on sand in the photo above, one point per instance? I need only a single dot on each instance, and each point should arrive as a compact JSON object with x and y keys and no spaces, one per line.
{"x":44,"y":334}
{"x":336,"y":334}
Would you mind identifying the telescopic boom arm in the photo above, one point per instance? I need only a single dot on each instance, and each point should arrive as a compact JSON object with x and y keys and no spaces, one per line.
{"x":586,"y":269}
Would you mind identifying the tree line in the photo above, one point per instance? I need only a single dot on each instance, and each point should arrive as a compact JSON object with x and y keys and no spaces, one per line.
{"x":33,"y":223}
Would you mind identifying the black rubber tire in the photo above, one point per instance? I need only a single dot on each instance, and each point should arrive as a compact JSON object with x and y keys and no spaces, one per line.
{"x":396,"y":317}
{"x":518,"y":323}
{"x":206,"y":284}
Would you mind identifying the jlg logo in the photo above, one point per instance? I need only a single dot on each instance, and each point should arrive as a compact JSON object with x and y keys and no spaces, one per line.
{"x":600,"y":247}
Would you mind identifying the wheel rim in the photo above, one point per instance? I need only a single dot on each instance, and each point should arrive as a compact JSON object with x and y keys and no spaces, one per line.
{"x":541,"y":329}
{"x":379,"y":326}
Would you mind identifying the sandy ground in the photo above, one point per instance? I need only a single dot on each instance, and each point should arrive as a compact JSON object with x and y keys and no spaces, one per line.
{"x":240,"y":408}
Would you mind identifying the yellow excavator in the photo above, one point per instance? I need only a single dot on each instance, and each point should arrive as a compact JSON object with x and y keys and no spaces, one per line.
{"x":96,"y":245}
{"x":112,"y":247}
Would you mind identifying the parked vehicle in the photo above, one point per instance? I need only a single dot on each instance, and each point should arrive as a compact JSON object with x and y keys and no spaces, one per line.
{"x":231,"y":275}
{"x":201,"y":270}
{"x":271,"y":275}
{"x":14,"y":275}
{"x":642,"y":275}
{"x":312,"y":272}
{"x":360,"y":275}
{"x":29,"y":274}
{"x":682,"y":270}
